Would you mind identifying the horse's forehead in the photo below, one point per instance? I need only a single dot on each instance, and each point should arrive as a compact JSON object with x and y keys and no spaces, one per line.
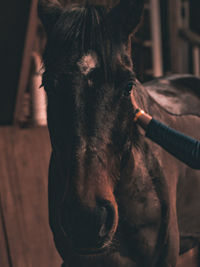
{"x":88,"y":62}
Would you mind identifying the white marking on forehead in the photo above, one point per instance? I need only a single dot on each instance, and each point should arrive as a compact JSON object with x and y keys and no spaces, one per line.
{"x":87,"y":63}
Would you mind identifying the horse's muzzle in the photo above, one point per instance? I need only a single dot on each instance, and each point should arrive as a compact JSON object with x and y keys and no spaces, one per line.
{"x":89,"y":230}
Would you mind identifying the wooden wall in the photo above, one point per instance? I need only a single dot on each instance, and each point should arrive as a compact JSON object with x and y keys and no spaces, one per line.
{"x":25,"y":237}
{"x":13,"y":17}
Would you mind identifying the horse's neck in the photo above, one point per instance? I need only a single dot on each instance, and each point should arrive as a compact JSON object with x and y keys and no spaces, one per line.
{"x":149,"y":105}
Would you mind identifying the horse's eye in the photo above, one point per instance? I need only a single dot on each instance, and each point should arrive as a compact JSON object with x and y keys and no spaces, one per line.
{"x":128,"y":89}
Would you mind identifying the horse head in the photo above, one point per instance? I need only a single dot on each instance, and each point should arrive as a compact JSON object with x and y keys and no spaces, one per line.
{"x":88,"y":77}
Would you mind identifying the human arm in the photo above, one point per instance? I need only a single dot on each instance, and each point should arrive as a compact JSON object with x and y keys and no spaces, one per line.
{"x":179,"y":145}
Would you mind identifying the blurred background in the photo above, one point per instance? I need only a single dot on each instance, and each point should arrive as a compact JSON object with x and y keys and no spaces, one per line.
{"x":168,"y":42}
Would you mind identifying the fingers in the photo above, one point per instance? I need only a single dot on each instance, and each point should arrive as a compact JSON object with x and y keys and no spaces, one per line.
{"x":135,"y":105}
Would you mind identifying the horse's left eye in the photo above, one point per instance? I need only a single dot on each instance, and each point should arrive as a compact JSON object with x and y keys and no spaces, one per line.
{"x":128,"y":88}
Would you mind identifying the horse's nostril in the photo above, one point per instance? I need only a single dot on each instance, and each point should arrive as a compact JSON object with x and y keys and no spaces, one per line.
{"x":88,"y":228}
{"x":103,"y":230}
{"x":107,"y":216}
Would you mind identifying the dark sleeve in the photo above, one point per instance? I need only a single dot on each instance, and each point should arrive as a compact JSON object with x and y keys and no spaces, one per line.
{"x":179,"y":145}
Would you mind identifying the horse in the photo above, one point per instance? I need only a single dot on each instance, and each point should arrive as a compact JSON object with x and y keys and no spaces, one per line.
{"x":116,"y":199}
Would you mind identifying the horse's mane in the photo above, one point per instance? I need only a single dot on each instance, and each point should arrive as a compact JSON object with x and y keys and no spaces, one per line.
{"x":80,"y":29}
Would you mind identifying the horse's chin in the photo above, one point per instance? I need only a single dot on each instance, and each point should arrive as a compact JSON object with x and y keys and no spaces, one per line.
{"x":103,"y":248}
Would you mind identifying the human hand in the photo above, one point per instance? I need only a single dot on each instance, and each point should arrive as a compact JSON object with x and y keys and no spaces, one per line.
{"x":135,"y":105}
{"x":142,"y":118}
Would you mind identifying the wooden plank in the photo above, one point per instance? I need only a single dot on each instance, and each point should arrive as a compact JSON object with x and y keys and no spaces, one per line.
{"x":196,"y":60}
{"x":5,"y":259}
{"x":194,"y":16}
{"x":179,"y":48}
{"x":190,"y":36}
{"x":156,"y":36}
{"x":24,"y":174}
{"x":26,"y":62}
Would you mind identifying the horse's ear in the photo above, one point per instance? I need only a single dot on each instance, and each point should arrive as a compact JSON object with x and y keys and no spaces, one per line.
{"x":126,"y":16}
{"x":49,"y":11}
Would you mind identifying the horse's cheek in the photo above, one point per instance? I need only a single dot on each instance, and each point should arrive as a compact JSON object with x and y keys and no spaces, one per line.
{"x":144,"y":209}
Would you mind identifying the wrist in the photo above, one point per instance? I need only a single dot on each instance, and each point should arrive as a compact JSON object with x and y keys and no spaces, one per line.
{"x":141,"y":118}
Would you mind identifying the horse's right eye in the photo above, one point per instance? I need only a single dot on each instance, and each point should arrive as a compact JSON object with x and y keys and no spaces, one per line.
{"x":128,"y":89}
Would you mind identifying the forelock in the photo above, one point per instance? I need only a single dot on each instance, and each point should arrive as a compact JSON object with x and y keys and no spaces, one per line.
{"x":79,"y":31}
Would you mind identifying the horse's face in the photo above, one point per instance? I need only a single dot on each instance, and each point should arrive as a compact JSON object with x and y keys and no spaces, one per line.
{"x":88,"y":77}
